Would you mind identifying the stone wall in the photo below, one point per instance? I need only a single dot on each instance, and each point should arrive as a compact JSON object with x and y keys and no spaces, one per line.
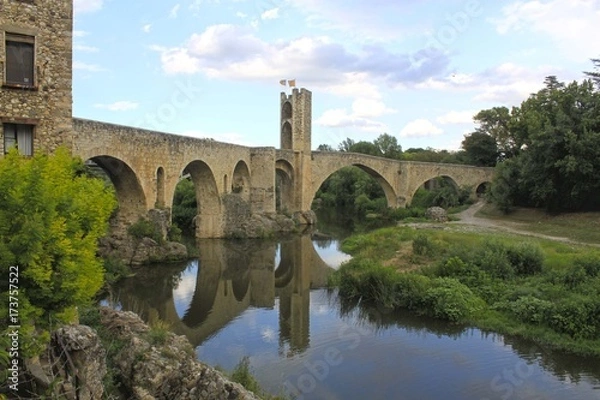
{"x":46,"y":103}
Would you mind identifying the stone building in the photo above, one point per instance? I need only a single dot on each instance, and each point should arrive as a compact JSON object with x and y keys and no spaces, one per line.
{"x":35,"y":75}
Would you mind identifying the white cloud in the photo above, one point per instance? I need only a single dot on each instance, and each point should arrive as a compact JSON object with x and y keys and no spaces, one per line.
{"x":273,"y":13}
{"x":146,"y":28}
{"x":339,"y":118}
{"x":174,"y":11}
{"x":118,"y":106}
{"x":235,"y":53}
{"x":370,"y":108}
{"x":84,"y":48}
{"x":420,"y":128}
{"x":79,"y":33}
{"x":241,"y":15}
{"x":86,"y":6}
{"x":567,"y":22}
{"x":457,"y":117}
{"x":78,"y":65}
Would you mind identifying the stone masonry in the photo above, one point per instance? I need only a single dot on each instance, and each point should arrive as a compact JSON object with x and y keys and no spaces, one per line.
{"x":45,"y":103}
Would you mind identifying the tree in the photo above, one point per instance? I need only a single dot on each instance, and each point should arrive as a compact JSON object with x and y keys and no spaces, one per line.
{"x":346,"y":144}
{"x":325,"y":147}
{"x":595,"y":75}
{"x":51,"y":217}
{"x":481,"y":149}
{"x":388,"y":146}
{"x":368,"y":148}
{"x":185,"y":206}
{"x":557,"y":166}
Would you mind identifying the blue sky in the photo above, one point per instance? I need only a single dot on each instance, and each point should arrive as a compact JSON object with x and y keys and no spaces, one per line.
{"x":415,"y":69}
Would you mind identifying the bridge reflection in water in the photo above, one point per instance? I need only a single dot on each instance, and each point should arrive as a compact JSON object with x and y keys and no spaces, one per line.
{"x":200,"y":297}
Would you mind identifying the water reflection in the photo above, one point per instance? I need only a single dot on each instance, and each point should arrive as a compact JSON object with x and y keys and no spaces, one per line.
{"x":200,"y":297}
{"x":257,"y":298}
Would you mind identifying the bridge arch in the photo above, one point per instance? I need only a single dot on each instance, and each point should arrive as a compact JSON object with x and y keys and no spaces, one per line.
{"x":431,"y":183}
{"x":241,"y":182}
{"x":128,"y":188}
{"x":208,"y":221}
{"x":482,"y":189}
{"x":388,"y":189}
{"x":284,"y":185}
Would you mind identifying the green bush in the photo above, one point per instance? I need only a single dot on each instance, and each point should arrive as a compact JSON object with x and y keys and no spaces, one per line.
{"x":591,"y":265}
{"x":411,"y":289}
{"x":175,"y":233}
{"x":51,"y":217}
{"x":532,"y":310}
{"x":451,"y":300}
{"x":422,"y":245}
{"x":526,"y":258}
{"x":577,"y":316}
{"x":145,"y":228}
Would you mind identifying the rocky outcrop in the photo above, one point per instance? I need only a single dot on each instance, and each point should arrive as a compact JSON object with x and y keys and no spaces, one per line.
{"x":122,"y":245}
{"x":134,"y":251}
{"x":305,"y":217}
{"x":437,"y":214}
{"x":73,"y":367}
{"x":149,"y":366}
{"x":165,"y":367}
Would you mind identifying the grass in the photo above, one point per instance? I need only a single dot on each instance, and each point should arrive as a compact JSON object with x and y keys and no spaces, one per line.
{"x":242,"y":374}
{"x":538,"y":289}
{"x":581,"y":227}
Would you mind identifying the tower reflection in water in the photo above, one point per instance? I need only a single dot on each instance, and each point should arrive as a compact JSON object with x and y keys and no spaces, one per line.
{"x":200,"y":297}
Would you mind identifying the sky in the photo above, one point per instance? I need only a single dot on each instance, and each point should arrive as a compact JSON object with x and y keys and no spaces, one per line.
{"x":414,"y":69}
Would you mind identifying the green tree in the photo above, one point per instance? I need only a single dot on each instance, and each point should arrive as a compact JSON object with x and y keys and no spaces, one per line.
{"x":364,"y":147}
{"x":559,"y":128}
{"x":346,"y":144}
{"x":388,"y":146}
{"x":595,"y":75}
{"x":185,"y":206}
{"x":325,"y":147}
{"x":481,"y":149}
{"x":51,"y":217}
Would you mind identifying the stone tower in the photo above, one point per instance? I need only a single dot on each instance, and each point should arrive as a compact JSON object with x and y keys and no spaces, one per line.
{"x":296,"y":120}
{"x":295,"y":131}
{"x":35,"y":75}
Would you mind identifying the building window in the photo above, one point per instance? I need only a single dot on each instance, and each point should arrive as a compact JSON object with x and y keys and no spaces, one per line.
{"x":19,"y":59}
{"x":19,"y":136}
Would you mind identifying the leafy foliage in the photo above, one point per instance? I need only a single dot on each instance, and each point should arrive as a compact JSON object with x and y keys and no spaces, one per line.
{"x":498,"y":283}
{"x":553,"y":143}
{"x":51,"y":217}
{"x":185,"y":206}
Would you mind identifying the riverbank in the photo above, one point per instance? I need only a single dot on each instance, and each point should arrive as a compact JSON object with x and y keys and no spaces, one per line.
{"x":541,"y":290}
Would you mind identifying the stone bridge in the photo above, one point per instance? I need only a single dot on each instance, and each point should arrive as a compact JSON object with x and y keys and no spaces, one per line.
{"x":233,"y":182}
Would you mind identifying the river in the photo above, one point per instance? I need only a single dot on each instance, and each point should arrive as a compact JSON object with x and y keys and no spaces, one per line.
{"x":266,"y":300}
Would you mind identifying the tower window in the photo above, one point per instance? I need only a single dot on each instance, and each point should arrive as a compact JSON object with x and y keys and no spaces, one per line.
{"x":19,"y":136}
{"x":19,"y":60}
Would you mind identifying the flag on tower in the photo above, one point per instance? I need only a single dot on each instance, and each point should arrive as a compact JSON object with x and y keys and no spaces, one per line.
{"x":282,"y":82}
{"x":292,"y":83}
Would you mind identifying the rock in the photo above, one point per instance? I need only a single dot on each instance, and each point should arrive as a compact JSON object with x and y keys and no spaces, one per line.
{"x":437,"y":214}
{"x":305,"y":217}
{"x":165,"y":370}
{"x":149,"y":251}
{"x":75,"y":363}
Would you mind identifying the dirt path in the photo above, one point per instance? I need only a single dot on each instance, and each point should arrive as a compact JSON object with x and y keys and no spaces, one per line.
{"x":468,"y":221}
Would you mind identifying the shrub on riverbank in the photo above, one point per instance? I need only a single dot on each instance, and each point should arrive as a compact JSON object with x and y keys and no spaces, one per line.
{"x":541,"y":290}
